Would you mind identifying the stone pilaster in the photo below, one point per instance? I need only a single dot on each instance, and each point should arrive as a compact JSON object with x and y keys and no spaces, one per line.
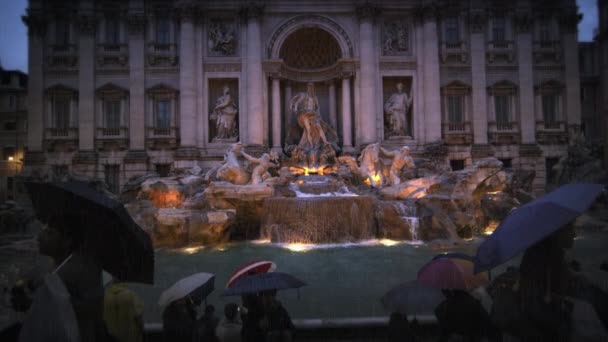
{"x":522,"y":24}
{"x":255,"y":100}
{"x":36,"y":25}
{"x":432,"y":99}
{"x":477,"y":25}
{"x":347,"y":141}
{"x":276,"y":115}
{"x":333,"y":115}
{"x":136,"y":28}
{"x":86,"y":79}
{"x":367,"y":106}
{"x":288,"y":95}
{"x":568,"y":25}
{"x":187,"y":79}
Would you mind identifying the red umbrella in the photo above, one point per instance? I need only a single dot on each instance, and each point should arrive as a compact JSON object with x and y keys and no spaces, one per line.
{"x":451,"y":273}
{"x":252,"y":267}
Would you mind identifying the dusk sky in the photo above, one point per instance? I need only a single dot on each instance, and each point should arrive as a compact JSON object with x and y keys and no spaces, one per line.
{"x":13,"y":33}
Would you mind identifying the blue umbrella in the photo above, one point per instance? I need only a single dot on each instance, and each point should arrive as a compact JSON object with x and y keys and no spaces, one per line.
{"x":533,"y":222}
{"x":263,"y":282}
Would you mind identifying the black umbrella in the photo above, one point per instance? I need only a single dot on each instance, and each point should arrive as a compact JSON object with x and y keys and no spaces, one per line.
{"x":118,"y":244}
{"x":263,"y":282}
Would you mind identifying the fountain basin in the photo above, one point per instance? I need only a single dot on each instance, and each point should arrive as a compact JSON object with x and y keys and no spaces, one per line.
{"x":334,"y":219}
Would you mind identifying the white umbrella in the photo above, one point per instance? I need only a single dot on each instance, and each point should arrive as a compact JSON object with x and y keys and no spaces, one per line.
{"x":197,"y":286}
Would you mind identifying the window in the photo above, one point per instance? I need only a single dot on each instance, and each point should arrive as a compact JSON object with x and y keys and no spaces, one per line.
{"x":163,"y":169}
{"x":162,"y":30}
{"x":506,"y":163}
{"x":549,"y":103}
{"x":112,"y":30}
{"x":10,"y":126}
{"x":11,"y":101}
{"x":6,"y":78}
{"x":22,"y":81}
{"x":111,"y":117}
{"x":545,"y":32}
{"x":112,"y":177}
{"x":498,"y":30}
{"x":502,"y":107}
{"x":61,"y":114}
{"x":549,"y":172}
{"x":456,"y":164}
{"x":455,"y":113}
{"x":59,"y":171}
{"x":62,"y":32}
{"x":452,"y":32}
{"x":8,"y":151}
{"x":163,"y":116}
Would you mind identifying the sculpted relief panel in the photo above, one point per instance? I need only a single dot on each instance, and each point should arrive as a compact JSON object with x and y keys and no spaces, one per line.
{"x":222,"y":38}
{"x":223,"y":110}
{"x":395,"y":38}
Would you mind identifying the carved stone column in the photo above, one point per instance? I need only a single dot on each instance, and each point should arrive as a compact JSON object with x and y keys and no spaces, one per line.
{"x":347,"y":141}
{"x":255,"y":100}
{"x":86,"y":78}
{"x":432,"y":99}
{"x":36,"y":29}
{"x":568,"y":25}
{"x":187,"y":83}
{"x":522,"y":23}
{"x":136,"y":25}
{"x":477,"y":25}
{"x":333,"y":117}
{"x":276,"y":114}
{"x":288,"y":95}
{"x":367,"y":110}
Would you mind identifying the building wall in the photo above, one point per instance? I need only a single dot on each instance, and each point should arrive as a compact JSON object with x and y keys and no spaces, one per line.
{"x":459,"y":54}
{"x":12,"y":129}
{"x":602,"y":41}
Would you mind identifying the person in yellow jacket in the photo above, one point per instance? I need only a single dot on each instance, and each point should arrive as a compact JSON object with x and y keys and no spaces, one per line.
{"x":123,"y":311}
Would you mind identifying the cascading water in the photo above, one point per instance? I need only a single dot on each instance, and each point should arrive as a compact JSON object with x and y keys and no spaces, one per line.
{"x":407,"y":211}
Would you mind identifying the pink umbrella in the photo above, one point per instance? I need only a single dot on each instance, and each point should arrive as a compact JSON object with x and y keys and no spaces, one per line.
{"x":451,"y":273}
{"x":252,"y":267}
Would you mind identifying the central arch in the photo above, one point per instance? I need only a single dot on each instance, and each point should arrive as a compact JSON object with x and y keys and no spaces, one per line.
{"x":304,"y":23}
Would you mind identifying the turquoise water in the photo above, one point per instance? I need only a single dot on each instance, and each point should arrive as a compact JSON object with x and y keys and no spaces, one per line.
{"x":343,"y":280}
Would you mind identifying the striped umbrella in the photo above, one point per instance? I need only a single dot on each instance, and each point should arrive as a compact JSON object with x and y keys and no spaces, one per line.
{"x":252,"y":267}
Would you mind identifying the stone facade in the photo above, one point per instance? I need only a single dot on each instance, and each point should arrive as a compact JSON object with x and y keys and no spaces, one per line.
{"x":602,"y":41}
{"x":13,"y":85}
{"x":121,"y":88}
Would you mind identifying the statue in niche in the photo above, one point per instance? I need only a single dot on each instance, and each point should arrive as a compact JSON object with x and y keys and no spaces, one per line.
{"x":396,"y":109}
{"x":225,"y":114}
{"x":312,"y":141}
{"x":401,"y":159}
{"x":262,"y":164}
{"x":221,"y":39}
{"x":395,"y":38}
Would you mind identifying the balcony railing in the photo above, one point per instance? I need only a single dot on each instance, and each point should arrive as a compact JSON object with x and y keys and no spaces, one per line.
{"x":161,"y":54}
{"x":61,"y":133}
{"x":112,"y":49}
{"x":456,"y":126}
{"x":456,"y":49}
{"x":112,"y":133}
{"x":162,"y":132}
{"x":549,"y":45}
{"x":504,"y":126}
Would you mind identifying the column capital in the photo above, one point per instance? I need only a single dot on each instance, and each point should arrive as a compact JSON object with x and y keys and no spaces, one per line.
{"x":252,"y":11}
{"x":36,"y":23}
{"x":367,"y":12}
{"x":136,"y":23}
{"x":477,"y":21}
{"x":87,"y":23}
{"x":522,"y":21}
{"x":425,"y":13}
{"x":187,"y":10}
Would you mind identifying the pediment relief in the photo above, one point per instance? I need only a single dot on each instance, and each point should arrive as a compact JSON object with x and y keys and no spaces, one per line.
{"x":162,"y":88}
{"x":61,"y":89}
{"x":456,"y":88}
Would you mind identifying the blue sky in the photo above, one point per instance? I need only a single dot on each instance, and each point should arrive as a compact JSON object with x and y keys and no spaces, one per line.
{"x":13,"y":34}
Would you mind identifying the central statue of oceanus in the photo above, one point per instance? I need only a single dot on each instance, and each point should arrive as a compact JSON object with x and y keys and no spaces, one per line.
{"x":311,"y":143}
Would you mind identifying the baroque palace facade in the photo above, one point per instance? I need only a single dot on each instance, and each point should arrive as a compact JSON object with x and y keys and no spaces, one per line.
{"x":119,"y":88}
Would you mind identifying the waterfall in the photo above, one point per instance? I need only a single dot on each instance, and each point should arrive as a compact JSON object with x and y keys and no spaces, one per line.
{"x":407,"y":211}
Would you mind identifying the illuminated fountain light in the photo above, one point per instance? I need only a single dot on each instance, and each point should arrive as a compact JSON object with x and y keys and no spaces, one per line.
{"x":491,"y":227}
{"x":191,"y":250}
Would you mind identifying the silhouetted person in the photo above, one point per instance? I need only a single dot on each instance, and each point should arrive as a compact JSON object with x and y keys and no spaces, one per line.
{"x":276,"y":321}
{"x":399,"y":328}
{"x":207,"y":324}
{"x":462,"y":314}
{"x":230,"y":326}
{"x":252,"y":315}
{"x":179,"y":321}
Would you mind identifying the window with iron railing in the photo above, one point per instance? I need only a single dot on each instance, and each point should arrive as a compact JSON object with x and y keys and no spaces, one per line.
{"x":452,"y":32}
{"x":61,"y":116}
{"x":502,"y":107}
{"x":111,"y":117}
{"x":549,"y":105}
{"x":162,"y":122}
{"x":499,"y":35}
{"x":545,"y":36}
{"x":455,"y":108}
